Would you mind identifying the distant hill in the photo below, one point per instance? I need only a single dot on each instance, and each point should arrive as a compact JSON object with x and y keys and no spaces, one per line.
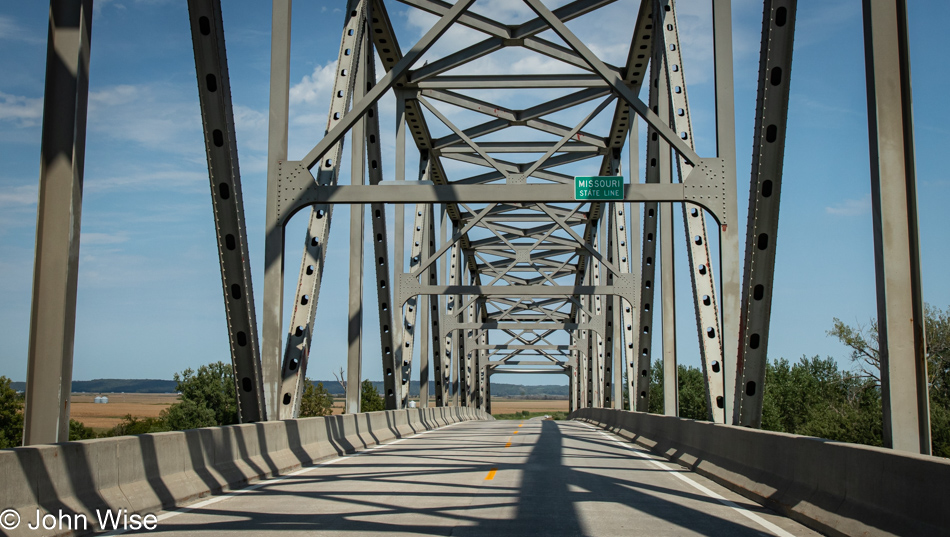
{"x":168,"y":386}
{"x":115,"y":386}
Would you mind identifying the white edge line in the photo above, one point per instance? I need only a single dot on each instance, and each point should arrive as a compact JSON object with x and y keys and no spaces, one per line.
{"x":215,"y":499}
{"x":679,"y":474}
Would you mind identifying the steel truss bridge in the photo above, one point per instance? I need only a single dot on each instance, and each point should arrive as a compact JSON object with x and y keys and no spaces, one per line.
{"x":503,"y":268}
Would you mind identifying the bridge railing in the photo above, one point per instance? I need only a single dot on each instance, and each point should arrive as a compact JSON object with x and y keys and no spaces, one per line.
{"x":833,"y":487}
{"x":146,"y":473}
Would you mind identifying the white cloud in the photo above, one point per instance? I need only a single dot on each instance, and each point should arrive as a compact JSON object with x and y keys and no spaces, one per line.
{"x":314,"y":88}
{"x":21,"y":111}
{"x":9,"y":29}
{"x":103,"y":238}
{"x":851,"y":207}
{"x":157,"y":115}
{"x":150,"y":178}
{"x":18,"y":195}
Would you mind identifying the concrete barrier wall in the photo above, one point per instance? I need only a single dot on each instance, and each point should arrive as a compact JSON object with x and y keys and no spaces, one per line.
{"x":150,"y":472}
{"x":833,"y":487}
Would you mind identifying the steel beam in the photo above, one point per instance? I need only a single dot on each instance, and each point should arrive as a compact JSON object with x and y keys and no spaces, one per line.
{"x":274,"y":231}
{"x":58,"y":216}
{"x":227,"y":200}
{"x":775,"y":69}
{"x":694,"y":223}
{"x":313,"y":260}
{"x":900,"y":315}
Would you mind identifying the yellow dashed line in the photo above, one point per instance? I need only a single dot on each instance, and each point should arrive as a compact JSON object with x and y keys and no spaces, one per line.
{"x":521,"y":425}
{"x":491,"y":474}
{"x":516,"y":432}
{"x":508,"y":445}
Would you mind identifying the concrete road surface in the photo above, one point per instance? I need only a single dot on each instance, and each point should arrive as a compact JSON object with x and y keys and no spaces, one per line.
{"x":492,"y":478}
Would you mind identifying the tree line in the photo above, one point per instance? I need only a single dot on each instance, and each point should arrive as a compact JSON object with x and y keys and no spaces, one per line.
{"x":813,"y":396}
{"x":816,"y":397}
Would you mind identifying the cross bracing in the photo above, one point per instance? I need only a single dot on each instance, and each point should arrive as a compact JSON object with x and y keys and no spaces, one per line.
{"x":499,"y":268}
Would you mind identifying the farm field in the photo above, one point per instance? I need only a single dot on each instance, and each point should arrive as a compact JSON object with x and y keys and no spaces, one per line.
{"x":150,"y":405}
{"x":108,"y":415}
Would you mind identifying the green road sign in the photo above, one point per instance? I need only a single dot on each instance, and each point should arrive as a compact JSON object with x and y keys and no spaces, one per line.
{"x":601,"y":188}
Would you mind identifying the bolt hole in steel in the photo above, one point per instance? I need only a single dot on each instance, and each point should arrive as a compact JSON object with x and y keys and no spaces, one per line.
{"x":754,"y":341}
{"x":310,"y":270}
{"x":720,"y":402}
{"x":236,"y":291}
{"x":224,"y":191}
{"x":702,"y":269}
{"x":710,"y":332}
{"x":775,"y":77}
{"x":781,"y":16}
{"x":298,"y":332}
{"x":211,"y":82}
{"x":320,"y":213}
{"x":286,"y":398}
{"x":758,"y":292}
{"x":763,"y":241}
{"x":698,"y":240}
{"x":217,"y":137}
{"x":766,"y":188}
{"x":694,"y":212}
{"x":293,"y":364}
{"x":771,"y":132}
{"x":750,"y":388}
{"x":229,"y":242}
{"x":246,"y":384}
{"x":643,"y":395}
{"x":241,"y":339}
{"x":646,"y":307}
{"x":304,"y":300}
{"x":204,"y":25}
{"x":314,"y":242}
{"x":647,"y":284}
{"x":715,"y":367}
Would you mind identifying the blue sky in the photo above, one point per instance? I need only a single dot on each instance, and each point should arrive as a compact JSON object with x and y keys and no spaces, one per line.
{"x":150,"y":302}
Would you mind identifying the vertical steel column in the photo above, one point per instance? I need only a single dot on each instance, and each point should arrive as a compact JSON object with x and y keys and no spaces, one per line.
{"x":487,"y":389}
{"x":572,"y":395}
{"x":423,"y":305}
{"x":454,"y":307}
{"x":667,"y":288}
{"x":694,"y":222}
{"x":900,"y":315}
{"x":729,"y":235}
{"x":612,"y":347}
{"x":435,"y":310}
{"x":409,"y":323}
{"x":399,"y":265}
{"x":313,"y":260}
{"x":380,"y":246}
{"x":227,"y":201}
{"x":597,"y":341}
{"x":655,"y":147}
{"x":58,"y":216}
{"x":354,"y":355}
{"x":274,"y":237}
{"x":631,"y":311}
{"x":775,"y":66}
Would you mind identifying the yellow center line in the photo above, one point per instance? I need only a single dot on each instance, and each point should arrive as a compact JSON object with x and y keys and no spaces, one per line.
{"x":516,"y":432}
{"x":491,"y":474}
{"x":521,"y":425}
{"x":508,"y":445}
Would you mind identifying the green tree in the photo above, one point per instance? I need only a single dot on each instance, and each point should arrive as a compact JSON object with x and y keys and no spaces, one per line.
{"x":11,"y":415}
{"x":370,"y":400}
{"x":207,"y":398}
{"x":132,"y":426}
{"x":316,"y":400}
{"x":691,"y":391}
{"x":78,"y":431}
{"x":814,"y":398}
{"x":187,"y":414}
{"x":864,"y":344}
